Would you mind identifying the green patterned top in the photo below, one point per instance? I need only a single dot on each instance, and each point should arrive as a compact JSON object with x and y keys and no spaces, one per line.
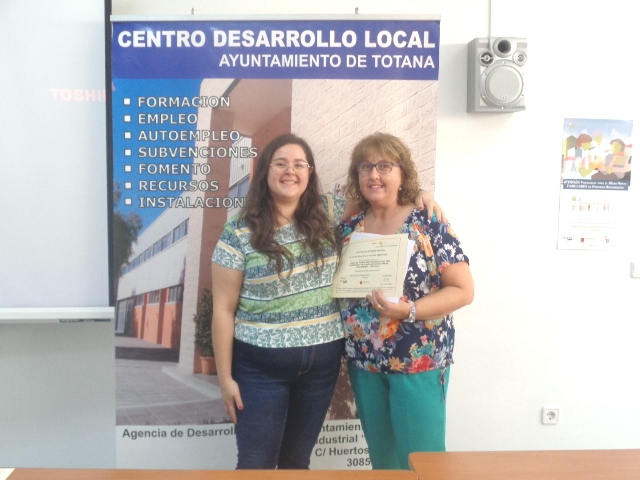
{"x":296,"y":311}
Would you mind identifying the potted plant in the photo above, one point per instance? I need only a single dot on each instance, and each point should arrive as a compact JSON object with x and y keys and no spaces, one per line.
{"x":203,"y":341}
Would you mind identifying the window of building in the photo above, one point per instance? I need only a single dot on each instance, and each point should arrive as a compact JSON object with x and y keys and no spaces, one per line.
{"x":154,"y":297}
{"x":166,"y":241}
{"x":180,"y":231}
{"x":240,"y":189}
{"x":175,"y":294}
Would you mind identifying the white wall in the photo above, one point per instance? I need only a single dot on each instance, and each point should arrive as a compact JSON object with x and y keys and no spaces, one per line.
{"x":546,"y":326}
{"x":57,"y":395}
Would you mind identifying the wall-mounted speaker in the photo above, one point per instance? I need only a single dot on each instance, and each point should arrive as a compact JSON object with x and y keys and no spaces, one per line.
{"x":495,"y":74}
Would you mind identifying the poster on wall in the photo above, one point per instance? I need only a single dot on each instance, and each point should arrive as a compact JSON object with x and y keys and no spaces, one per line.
{"x":596,"y":175}
{"x":194,"y":102}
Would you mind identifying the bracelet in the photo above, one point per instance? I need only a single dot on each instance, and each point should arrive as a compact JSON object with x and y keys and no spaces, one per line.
{"x":412,"y":312}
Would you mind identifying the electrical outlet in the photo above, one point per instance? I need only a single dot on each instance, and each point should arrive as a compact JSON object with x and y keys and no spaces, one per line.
{"x":550,"y":415}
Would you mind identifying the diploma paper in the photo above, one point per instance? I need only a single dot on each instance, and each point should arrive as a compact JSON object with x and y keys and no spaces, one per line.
{"x":362,"y":235}
{"x":378,"y":262}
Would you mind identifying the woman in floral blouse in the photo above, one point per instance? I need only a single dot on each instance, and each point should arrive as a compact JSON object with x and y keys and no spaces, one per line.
{"x":399,"y":354}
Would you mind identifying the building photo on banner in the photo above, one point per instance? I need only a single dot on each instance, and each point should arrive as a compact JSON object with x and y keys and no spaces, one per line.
{"x":596,"y":175}
{"x":194,"y":103}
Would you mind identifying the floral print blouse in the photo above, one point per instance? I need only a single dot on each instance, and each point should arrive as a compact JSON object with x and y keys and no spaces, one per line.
{"x":396,"y":346}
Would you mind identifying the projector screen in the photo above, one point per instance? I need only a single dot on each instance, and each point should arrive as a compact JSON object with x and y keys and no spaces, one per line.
{"x":53,"y":168}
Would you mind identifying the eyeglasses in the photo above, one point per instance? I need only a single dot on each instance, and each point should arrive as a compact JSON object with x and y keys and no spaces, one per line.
{"x":282,"y":167}
{"x":384,"y":167}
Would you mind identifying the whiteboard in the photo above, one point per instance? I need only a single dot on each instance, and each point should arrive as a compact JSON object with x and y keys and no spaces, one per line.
{"x":53,"y":168}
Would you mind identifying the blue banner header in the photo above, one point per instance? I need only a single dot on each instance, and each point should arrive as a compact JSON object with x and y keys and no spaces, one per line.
{"x":331,"y":49}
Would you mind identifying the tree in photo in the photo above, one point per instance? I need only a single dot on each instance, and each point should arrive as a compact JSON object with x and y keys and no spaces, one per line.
{"x":125,"y":234}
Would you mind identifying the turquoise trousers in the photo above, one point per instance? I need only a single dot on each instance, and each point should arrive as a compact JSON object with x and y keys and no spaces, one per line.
{"x":400,"y":414}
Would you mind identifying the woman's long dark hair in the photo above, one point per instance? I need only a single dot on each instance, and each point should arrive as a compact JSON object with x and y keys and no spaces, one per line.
{"x":310,"y":220}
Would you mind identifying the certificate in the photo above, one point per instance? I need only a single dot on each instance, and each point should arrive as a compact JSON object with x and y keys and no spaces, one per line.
{"x":370,"y":263}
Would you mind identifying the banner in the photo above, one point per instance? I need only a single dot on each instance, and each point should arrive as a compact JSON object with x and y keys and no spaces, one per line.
{"x":194,"y":102}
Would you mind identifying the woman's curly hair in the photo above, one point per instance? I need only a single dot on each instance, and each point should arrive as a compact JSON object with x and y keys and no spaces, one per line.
{"x":390,"y":148}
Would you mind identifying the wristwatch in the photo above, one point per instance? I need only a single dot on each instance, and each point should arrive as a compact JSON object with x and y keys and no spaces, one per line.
{"x":412,"y":312}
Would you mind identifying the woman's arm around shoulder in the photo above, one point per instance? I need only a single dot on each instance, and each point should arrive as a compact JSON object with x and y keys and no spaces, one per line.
{"x":425,"y":201}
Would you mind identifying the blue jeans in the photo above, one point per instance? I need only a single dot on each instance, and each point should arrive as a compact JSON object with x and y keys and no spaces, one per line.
{"x":286,"y":393}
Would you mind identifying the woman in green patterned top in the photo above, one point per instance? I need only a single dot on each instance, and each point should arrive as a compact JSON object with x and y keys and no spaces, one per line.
{"x":277,"y":332}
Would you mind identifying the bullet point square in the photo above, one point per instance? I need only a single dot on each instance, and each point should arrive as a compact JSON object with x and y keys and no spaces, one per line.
{"x":127,"y":118}
{"x":127,"y":201}
{"x":127,"y":152}
{"x":127,"y":101}
{"x":127,"y":135}
{"x":127,"y":185}
{"x":127,"y":168}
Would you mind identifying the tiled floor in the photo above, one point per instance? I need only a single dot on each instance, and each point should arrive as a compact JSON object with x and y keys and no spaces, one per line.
{"x":152,"y":390}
